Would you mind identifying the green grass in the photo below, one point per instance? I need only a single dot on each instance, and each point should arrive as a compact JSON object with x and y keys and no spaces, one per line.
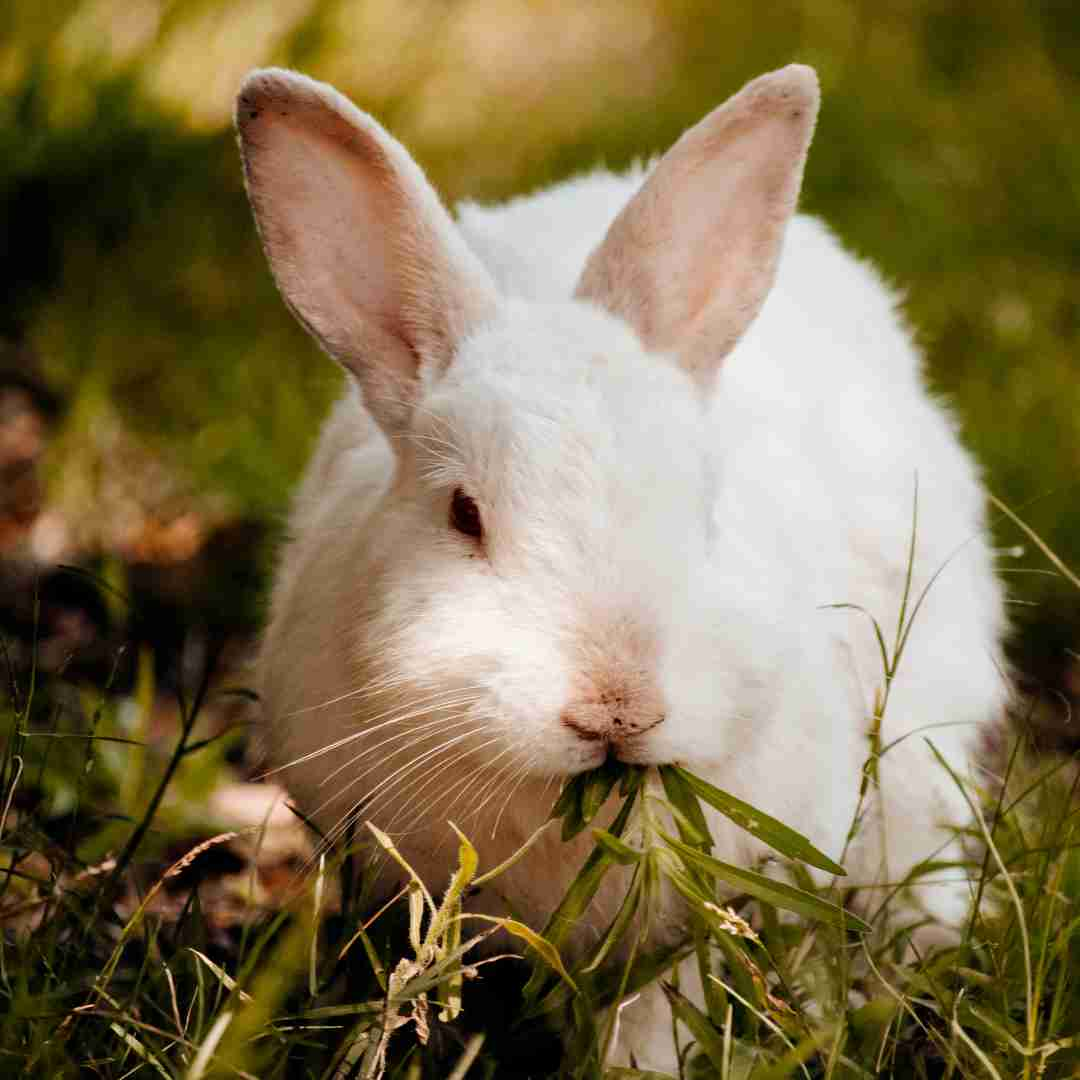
{"x":98,"y":978}
{"x":115,"y":958}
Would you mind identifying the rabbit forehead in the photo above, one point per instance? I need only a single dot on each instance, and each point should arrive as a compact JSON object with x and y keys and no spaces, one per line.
{"x":566,"y":395}
{"x":572,"y":366}
{"x":564,"y":345}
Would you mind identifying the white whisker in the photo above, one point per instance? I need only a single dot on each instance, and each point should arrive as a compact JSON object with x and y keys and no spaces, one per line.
{"x":525,"y":773}
{"x":395,"y":781}
{"x":432,"y":702}
{"x":375,"y":686}
{"x":484,"y":796}
{"x":468,"y":782}
{"x":427,"y":730}
{"x":469,"y":778}
{"x":405,"y":769}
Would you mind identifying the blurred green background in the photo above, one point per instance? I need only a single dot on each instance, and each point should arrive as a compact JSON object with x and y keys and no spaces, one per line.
{"x":948,"y":150}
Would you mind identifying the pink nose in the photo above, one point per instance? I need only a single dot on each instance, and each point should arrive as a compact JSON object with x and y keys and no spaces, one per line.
{"x":613,"y":717}
{"x":615,"y":695}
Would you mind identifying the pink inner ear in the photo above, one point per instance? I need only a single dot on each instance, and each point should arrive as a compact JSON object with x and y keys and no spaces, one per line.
{"x":362,"y":250}
{"x":313,"y":203}
{"x":689,"y":261}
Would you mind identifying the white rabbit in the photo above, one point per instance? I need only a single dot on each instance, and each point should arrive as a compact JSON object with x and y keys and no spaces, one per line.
{"x":611,"y":456}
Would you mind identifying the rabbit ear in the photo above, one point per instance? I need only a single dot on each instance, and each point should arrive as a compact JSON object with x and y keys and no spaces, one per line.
{"x":690,"y":259}
{"x":362,"y":250}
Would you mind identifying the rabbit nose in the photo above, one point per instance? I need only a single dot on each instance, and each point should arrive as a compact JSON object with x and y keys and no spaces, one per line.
{"x":613,"y":717}
{"x":615,"y":695}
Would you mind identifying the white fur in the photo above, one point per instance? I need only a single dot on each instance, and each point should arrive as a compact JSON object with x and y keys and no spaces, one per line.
{"x":634,"y":525}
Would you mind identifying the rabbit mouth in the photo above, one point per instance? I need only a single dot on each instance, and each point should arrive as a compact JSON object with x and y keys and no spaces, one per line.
{"x":632,"y":752}
{"x":612,"y":745}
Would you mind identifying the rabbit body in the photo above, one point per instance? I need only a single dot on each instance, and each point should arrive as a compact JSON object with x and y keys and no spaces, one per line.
{"x":665,"y":534}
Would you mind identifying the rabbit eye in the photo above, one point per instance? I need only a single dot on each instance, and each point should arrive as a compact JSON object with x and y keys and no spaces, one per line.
{"x":465,"y":515}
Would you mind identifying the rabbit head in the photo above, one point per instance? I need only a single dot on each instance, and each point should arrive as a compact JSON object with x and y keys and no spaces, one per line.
{"x":530,"y":586}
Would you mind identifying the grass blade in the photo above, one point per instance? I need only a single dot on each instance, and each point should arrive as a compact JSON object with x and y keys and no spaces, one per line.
{"x":768,"y":830}
{"x":777,"y":893}
{"x":534,"y":940}
{"x":699,"y":1025}
{"x":618,"y":849}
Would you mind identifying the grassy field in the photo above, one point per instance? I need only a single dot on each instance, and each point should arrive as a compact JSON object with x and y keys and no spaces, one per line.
{"x":157,"y":921}
{"x":137,"y":940}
